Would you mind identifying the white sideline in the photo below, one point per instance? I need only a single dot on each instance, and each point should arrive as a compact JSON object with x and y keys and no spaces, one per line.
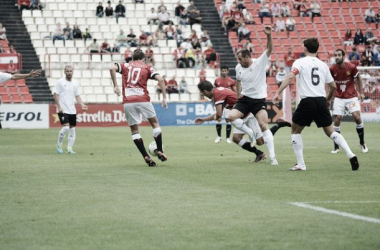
{"x":336,"y":212}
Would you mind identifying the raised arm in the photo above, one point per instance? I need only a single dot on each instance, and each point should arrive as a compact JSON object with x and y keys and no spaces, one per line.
{"x":268,"y":32}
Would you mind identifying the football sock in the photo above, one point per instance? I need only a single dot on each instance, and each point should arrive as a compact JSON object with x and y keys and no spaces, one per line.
{"x":228,"y":130}
{"x":339,"y":139}
{"x":360,"y":131}
{"x":61,"y":135}
{"x":239,"y":124}
{"x":140,"y":144}
{"x":219,"y":129}
{"x":158,"y":138}
{"x":247,"y":146}
{"x":71,"y":138}
{"x":297,"y":145}
{"x":283,"y":124}
{"x":269,"y":142}
{"x":275,"y":128}
{"x":337,"y":129}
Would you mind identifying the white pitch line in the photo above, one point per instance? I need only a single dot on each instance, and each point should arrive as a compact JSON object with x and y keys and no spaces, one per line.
{"x":336,"y":212}
{"x":340,"y":202}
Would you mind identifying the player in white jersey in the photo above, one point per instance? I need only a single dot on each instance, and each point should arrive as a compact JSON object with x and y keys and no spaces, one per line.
{"x":65,"y":94}
{"x":251,"y":89}
{"x":314,"y":75}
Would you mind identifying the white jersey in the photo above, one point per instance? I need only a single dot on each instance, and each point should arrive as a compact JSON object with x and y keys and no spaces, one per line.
{"x":253,"y":78}
{"x":314,"y":74}
{"x":67,"y":91}
{"x":4,"y":77}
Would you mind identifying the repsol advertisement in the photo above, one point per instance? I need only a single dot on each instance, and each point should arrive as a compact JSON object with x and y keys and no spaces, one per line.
{"x":24,"y":116}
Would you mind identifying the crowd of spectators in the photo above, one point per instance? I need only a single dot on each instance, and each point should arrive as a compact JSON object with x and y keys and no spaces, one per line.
{"x":28,"y":4}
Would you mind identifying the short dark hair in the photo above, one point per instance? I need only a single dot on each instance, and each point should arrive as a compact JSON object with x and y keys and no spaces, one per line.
{"x":244,"y":53}
{"x":224,"y":67}
{"x":205,"y":85}
{"x":311,"y":44}
{"x":138,"y":55}
{"x":343,"y":53}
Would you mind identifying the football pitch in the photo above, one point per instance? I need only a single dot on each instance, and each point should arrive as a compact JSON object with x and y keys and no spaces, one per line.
{"x":206,"y":196}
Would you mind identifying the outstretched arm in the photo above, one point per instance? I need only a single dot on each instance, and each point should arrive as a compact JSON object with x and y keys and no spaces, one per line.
{"x":32,"y":73}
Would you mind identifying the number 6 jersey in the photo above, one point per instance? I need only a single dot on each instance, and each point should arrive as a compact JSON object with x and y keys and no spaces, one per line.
{"x":135,"y":77}
{"x":344,"y":78}
{"x":314,"y":74}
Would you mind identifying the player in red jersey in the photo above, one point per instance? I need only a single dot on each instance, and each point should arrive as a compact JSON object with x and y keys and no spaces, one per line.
{"x":225,"y":99}
{"x":346,"y":96}
{"x":226,"y":82}
{"x":136,"y":100}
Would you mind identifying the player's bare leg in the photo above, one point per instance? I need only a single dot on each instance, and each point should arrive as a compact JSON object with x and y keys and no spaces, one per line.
{"x":297,"y":145}
{"x":262,"y":117}
{"x":339,"y":139}
{"x":136,"y":137}
{"x":360,"y":130}
{"x":240,"y":141}
{"x":235,"y":118}
{"x":157,"y":135}
{"x":337,"y":121}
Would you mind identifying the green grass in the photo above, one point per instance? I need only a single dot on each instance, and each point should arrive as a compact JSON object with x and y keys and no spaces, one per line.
{"x":205,"y":196}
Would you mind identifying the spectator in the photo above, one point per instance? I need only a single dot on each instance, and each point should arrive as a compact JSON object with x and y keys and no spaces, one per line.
{"x":231,"y":25}
{"x":132,"y":39}
{"x":244,"y":32}
{"x":315,"y":10}
{"x":280,"y":76}
{"x":210,"y":55}
{"x":24,"y":4}
{"x":93,"y":47}
{"x":223,"y":8}
{"x":190,"y":58}
{"x":183,"y":86}
{"x":285,"y":11}
{"x":368,"y":53}
{"x":280,"y":25}
{"x":178,"y":34}
{"x":180,"y":57}
{"x":191,"y":8}
{"x":354,"y":55}
{"x":3,"y":31}
{"x":194,"y":15}
{"x":272,"y":69}
{"x":169,"y":32}
{"x":247,"y":16}
{"x":364,"y":61}
{"x":205,"y":39}
{"x":172,"y":86}
{"x":77,"y":33}
{"x":149,"y":54}
{"x":376,"y":56}
{"x":241,"y":5}
{"x":202,"y":75}
{"x":162,"y":5}
{"x":249,"y":46}
{"x":377,"y":18}
{"x":115,"y":49}
{"x":128,"y":53}
{"x":86,"y":35}
{"x":36,"y":5}
{"x":369,"y":36}
{"x":122,"y":40}
{"x":196,"y":44}
{"x":370,"y":16}
{"x":153,"y":17}
{"x":290,"y":24}
{"x":297,"y":5}
{"x":68,"y":32}
{"x":265,"y":12}
{"x":178,"y":10}
{"x":109,"y":10}
{"x":186,"y":44}
{"x":138,"y":49}
{"x":58,"y":34}
{"x":289,"y":59}
{"x":164,"y":16}
{"x":119,"y":11}
{"x":304,"y":10}
{"x":348,"y":40}
{"x":276,"y":9}
{"x":100,"y":10}
{"x":184,"y":18}
{"x":144,"y":38}
{"x":105,"y":47}
{"x":138,"y":1}
{"x":359,"y":38}
{"x":12,"y":69}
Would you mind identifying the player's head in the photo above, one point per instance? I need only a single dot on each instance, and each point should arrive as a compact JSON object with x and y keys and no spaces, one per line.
{"x":69,"y":72}
{"x":244,"y":57}
{"x":206,"y":88}
{"x":311,"y":45}
{"x":224,"y":71}
{"x":138,"y":55}
{"x":339,"y":56}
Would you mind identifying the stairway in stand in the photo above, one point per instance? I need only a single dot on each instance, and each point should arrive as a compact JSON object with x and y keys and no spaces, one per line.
{"x":18,"y":36}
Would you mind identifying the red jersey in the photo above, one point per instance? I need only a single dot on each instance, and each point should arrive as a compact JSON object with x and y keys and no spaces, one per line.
{"x":135,"y":80}
{"x":227,"y":82}
{"x":344,"y":79}
{"x":224,"y":96}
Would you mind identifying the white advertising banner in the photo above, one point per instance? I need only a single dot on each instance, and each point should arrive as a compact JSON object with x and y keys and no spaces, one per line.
{"x":25,"y":116}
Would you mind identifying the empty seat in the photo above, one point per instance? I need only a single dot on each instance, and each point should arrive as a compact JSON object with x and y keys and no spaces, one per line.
{"x":27,"y":98}
{"x":16,"y":98}
{"x":5,"y":99}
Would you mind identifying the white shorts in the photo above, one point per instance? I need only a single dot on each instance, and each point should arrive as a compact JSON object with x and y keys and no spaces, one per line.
{"x":135,"y":113}
{"x":340,"y":104}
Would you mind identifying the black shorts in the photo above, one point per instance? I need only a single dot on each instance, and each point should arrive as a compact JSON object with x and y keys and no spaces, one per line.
{"x":248,"y":105}
{"x":312,"y":109}
{"x":67,"y":118}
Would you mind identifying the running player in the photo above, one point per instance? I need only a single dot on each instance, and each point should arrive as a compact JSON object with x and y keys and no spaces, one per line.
{"x":314,"y":75}
{"x":226,"y":82}
{"x":137,"y":103}
{"x":345,"y":74}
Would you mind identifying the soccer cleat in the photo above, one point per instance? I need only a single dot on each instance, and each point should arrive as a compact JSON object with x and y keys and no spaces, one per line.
{"x":335,"y":151}
{"x":59,"y":149}
{"x":228,"y":140}
{"x":70,"y":151}
{"x":354,"y":163}
{"x":364,"y":148}
{"x":218,"y":139}
{"x":149,"y":161}
{"x":284,"y":122}
{"x":298,"y":168}
{"x":260,"y":158}
{"x":161,"y":156}
{"x":273,"y":161}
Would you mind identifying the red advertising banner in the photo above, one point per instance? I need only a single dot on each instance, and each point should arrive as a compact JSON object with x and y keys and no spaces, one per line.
{"x":97,"y":115}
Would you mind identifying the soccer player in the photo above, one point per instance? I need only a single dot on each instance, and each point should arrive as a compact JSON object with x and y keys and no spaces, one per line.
{"x":314,"y":75}
{"x":226,"y":82}
{"x":65,"y":94}
{"x":224,"y":99}
{"x":251,"y":89}
{"x":136,"y":101}
{"x":345,"y":74}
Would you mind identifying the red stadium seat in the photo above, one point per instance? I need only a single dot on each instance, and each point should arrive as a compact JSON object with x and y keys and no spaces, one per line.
{"x":20,"y":83}
{"x":16,"y":98}
{"x":24,"y":90}
{"x":3,"y":91}
{"x":10,"y":83}
{"x":5,"y":99}
{"x":13,"y":90}
{"x":27,"y":98}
